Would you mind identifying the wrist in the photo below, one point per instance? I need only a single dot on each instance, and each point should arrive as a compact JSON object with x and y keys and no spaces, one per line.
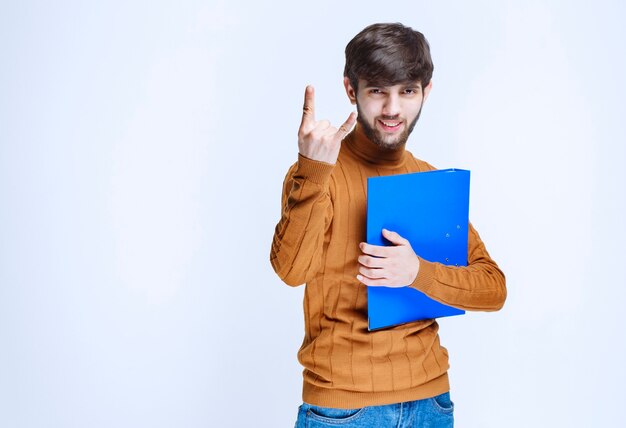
{"x":313,"y":170}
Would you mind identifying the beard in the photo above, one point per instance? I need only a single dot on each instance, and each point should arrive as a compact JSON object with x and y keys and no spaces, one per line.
{"x":376,"y":136}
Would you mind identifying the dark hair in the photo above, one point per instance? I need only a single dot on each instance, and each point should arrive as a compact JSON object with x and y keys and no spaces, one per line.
{"x":387,"y":55}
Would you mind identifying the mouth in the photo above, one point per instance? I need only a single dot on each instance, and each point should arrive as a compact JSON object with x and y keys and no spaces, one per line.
{"x":390,"y":125}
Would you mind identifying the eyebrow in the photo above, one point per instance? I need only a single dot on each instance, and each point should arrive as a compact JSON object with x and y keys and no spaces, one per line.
{"x":404,"y":84}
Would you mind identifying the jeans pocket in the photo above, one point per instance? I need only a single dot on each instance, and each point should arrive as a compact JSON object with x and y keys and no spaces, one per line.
{"x":331,"y":416}
{"x":443,"y":403}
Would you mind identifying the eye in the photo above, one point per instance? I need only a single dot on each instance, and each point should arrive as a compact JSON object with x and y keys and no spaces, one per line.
{"x":375,"y":91}
{"x":411,"y":91}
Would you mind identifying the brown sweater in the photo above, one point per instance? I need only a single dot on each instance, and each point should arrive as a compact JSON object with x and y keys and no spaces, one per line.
{"x":316,"y":242}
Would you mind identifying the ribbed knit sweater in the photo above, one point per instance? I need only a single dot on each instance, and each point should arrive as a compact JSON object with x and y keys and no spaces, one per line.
{"x":316,"y":242}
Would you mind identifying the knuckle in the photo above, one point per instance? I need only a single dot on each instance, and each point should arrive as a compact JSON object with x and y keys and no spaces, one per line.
{"x":314,"y":134}
{"x":329,"y":135}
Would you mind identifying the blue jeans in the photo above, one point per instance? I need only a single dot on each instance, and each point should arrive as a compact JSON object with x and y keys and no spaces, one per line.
{"x":435,"y":412}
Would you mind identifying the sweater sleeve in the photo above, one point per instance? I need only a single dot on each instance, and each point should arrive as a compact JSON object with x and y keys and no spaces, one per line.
{"x":479,"y":286}
{"x":306,"y":213}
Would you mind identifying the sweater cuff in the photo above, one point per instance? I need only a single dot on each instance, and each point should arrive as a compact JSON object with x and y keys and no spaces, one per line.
{"x":425,"y":277}
{"x":312,"y":170}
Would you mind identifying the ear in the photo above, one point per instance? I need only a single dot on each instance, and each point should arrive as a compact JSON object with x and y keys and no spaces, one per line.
{"x":349,"y":90}
{"x":427,"y":89}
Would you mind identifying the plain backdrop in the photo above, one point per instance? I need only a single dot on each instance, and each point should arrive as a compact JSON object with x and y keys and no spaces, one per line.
{"x":143,"y":146}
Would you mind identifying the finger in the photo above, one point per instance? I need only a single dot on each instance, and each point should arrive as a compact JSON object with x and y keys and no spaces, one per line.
{"x":321,"y":131}
{"x":346,"y":127}
{"x":394,"y":237}
{"x":308,"y":110}
{"x":372,"y":262}
{"x":372,"y":273}
{"x":329,"y":132}
{"x":322,"y":125}
{"x":372,"y":282}
{"x":374,"y":250}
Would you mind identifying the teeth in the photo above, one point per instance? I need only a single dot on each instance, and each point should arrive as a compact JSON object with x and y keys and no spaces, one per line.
{"x":390,"y":124}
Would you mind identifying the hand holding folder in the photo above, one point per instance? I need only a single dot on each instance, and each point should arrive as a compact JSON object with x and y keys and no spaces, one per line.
{"x":429,"y":209}
{"x":390,"y":266}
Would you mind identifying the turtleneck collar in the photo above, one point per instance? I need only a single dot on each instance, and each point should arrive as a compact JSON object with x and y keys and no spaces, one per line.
{"x":362,"y":147}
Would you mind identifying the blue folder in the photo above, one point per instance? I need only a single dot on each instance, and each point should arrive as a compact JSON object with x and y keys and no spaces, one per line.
{"x":431,"y":210}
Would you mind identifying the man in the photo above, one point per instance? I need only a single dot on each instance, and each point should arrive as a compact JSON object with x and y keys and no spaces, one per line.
{"x":353,"y":377}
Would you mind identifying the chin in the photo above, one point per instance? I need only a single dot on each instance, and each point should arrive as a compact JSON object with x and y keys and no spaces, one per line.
{"x":391,"y":144}
{"x":383,"y":141}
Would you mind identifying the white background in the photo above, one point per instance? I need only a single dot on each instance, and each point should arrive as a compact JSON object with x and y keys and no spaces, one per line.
{"x":143,"y":146}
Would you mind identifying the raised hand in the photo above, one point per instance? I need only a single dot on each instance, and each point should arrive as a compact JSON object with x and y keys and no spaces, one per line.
{"x":319,"y":140}
{"x":395,"y":266}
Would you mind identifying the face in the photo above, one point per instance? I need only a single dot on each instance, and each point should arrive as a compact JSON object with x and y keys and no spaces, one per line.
{"x":387,"y":114}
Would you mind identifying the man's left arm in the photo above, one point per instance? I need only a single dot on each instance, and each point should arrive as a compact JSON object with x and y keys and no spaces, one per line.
{"x":479,"y":286}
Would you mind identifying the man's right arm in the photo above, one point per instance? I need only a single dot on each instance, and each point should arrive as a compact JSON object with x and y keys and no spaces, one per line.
{"x":306,"y":204}
{"x":306,"y":213}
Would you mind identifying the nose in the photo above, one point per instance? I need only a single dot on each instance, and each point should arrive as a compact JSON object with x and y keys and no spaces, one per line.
{"x":392,"y":105}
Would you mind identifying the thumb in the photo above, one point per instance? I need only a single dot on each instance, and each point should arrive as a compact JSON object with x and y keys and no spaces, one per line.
{"x":394,"y":237}
{"x":346,"y":127}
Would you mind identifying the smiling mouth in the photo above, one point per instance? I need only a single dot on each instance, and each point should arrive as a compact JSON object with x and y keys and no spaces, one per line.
{"x":390,"y":125}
